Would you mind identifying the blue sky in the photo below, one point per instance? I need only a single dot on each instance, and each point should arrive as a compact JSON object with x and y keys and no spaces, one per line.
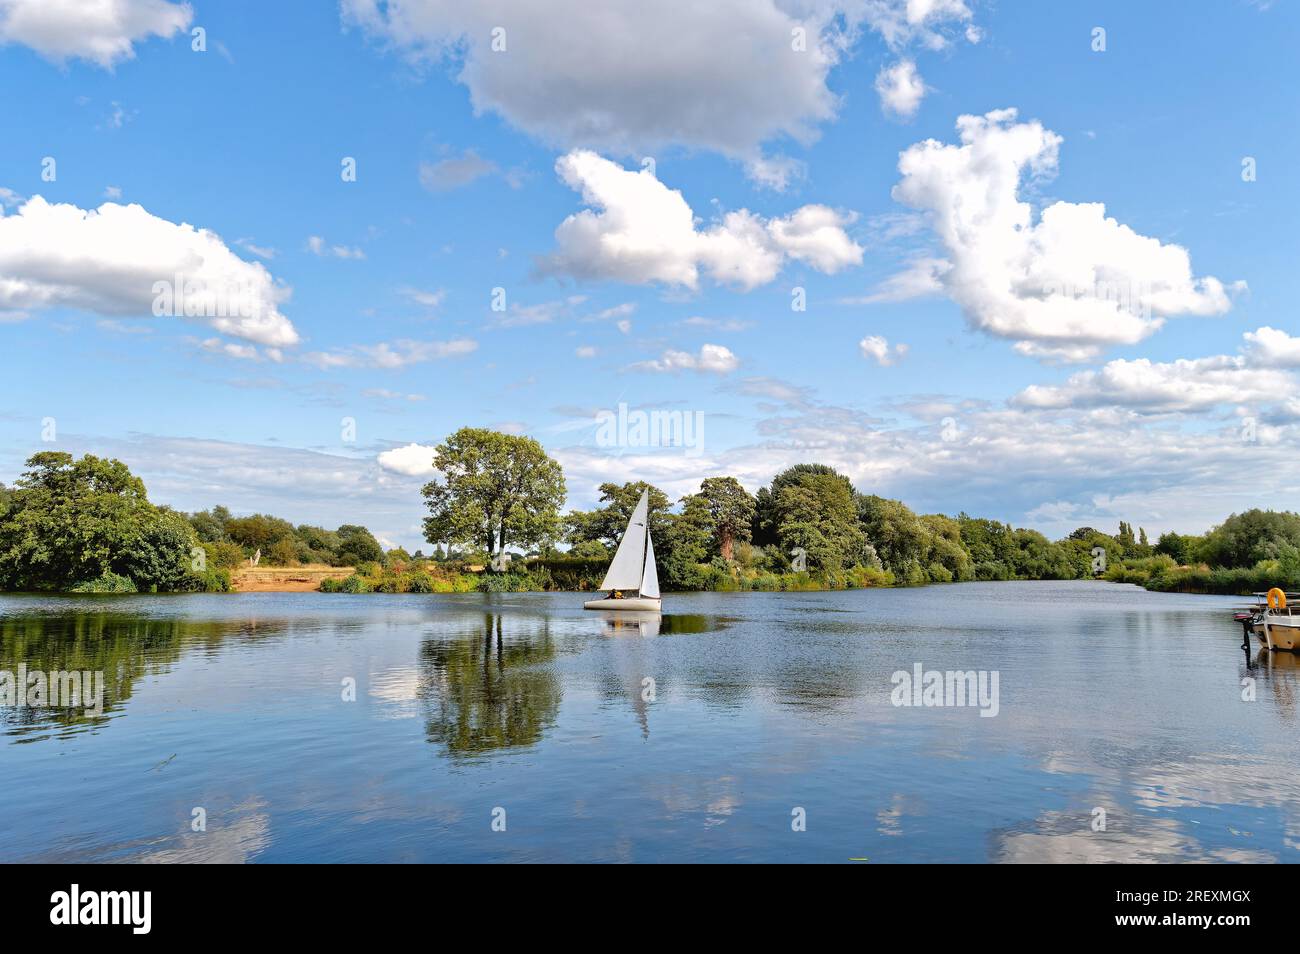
{"x":940,"y":358}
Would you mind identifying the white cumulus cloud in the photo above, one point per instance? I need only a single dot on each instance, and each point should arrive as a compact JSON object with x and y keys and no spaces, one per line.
{"x":1063,"y":287}
{"x":109,"y":260}
{"x":712,"y":358}
{"x":616,"y":79}
{"x":102,"y":31}
{"x":901,"y":89}
{"x":927,"y":23}
{"x":640,"y":231}
{"x":412,"y":460}
{"x":1271,"y":347}
{"x":1258,"y":375}
{"x":878,"y":349}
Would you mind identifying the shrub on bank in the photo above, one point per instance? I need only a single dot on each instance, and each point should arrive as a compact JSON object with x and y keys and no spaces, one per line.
{"x":356,"y":583}
{"x":419,"y":577}
{"x":1168,"y":577}
{"x":212,"y":580}
{"x":106,"y":582}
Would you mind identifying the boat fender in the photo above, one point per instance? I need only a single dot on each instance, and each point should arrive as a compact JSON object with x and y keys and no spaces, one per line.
{"x":1276,"y":599}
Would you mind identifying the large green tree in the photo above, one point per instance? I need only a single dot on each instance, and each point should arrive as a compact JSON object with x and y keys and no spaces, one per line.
{"x":766,"y":519}
{"x":1248,"y":537}
{"x":357,"y":545}
{"x":728,"y":512}
{"x":816,"y":512}
{"x":496,"y":490}
{"x":258,"y":531}
{"x":70,"y":522}
{"x":900,"y":537}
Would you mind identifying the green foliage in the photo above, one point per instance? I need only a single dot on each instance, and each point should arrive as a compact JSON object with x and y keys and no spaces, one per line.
{"x":419,"y":583}
{"x":258,"y":531}
{"x":817,"y":511}
{"x":1181,"y":548}
{"x":512,"y":581}
{"x":572,"y":572}
{"x":728,"y":513}
{"x":606,"y":524}
{"x":987,"y":570}
{"x":210,"y":525}
{"x":356,"y":583}
{"x":422,"y":577}
{"x":945,"y":550}
{"x":357,"y":545}
{"x":69,"y":522}
{"x":590,"y":550}
{"x":224,"y":554}
{"x":1246,"y":538}
{"x":284,"y":552}
{"x":318,"y":545}
{"x":939,"y":573}
{"x":230,"y":540}
{"x":87,"y":526}
{"x":211,"y":580}
{"x":766,"y":517}
{"x":1033,"y":557}
{"x":106,"y":582}
{"x":497,"y":490}
{"x":899,"y":536}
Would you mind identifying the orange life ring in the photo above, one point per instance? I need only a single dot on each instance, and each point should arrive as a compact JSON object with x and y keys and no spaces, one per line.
{"x":1276,"y":599}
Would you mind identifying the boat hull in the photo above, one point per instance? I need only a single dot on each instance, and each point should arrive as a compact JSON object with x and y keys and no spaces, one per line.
{"x":630,"y":604}
{"x":1280,"y":637}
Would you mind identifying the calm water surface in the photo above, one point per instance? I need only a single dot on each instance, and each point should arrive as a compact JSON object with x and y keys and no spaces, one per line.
{"x":1109,"y":697}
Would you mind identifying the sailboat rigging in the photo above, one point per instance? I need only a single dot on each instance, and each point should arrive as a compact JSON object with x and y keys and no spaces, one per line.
{"x":633,"y":569}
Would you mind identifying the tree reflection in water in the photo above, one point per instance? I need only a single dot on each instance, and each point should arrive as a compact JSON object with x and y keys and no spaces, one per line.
{"x":126,"y":647}
{"x":490,"y":689}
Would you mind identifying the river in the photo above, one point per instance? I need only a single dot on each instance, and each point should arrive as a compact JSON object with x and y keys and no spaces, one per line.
{"x":1114,"y":725}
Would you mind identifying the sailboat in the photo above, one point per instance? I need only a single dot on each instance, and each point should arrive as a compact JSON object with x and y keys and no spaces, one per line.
{"x":633,"y":568}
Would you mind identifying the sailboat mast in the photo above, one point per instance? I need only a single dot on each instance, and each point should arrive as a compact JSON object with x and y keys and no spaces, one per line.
{"x":644,"y":550}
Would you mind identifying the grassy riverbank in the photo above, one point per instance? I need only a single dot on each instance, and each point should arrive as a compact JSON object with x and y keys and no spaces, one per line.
{"x":575,"y":575}
{"x":1162,"y":574}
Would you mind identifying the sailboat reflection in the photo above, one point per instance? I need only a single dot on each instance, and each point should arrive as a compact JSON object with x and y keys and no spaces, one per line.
{"x":633,"y":670}
{"x":623,"y":623}
{"x":630,"y":624}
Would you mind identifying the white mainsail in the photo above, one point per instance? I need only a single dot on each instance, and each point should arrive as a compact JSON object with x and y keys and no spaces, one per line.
{"x":629,"y":569}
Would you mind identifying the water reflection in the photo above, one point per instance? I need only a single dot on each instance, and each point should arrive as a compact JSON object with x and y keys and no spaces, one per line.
{"x":675,"y":736}
{"x":636,"y":623}
{"x":126,"y":647}
{"x":489,"y":689}
{"x":1278,"y":672}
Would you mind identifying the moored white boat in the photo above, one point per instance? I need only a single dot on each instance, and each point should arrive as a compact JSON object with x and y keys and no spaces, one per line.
{"x":632,"y":580}
{"x":1273,"y":620}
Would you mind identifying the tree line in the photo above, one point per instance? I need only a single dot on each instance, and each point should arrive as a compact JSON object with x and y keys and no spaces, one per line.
{"x":87,"y":525}
{"x":499,"y":491}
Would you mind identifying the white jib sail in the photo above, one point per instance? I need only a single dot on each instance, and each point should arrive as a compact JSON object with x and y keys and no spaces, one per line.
{"x":650,"y":578}
{"x":629,"y":560}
